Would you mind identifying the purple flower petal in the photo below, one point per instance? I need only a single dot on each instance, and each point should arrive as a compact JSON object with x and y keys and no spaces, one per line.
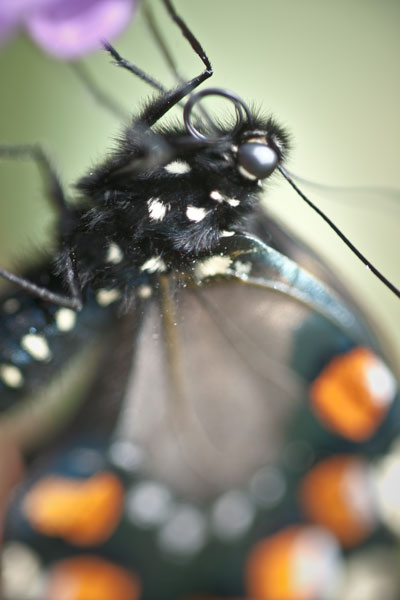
{"x":68,"y":29}
{"x":18,"y":9}
{"x":9,"y":22}
{"x":14,"y":12}
{"x":7,"y":26}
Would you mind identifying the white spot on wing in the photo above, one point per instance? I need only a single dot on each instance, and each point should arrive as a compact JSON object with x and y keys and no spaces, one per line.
{"x":21,"y":570}
{"x":126,"y":455}
{"x":242,"y":268}
{"x":11,"y":376}
{"x":381,"y":382}
{"x":144,"y":291}
{"x":196,"y":213}
{"x":65,"y":319}
{"x":315,"y":562}
{"x":356,"y":487}
{"x":185,"y":532}
{"x":215,"y":265}
{"x":387,"y":488}
{"x":107,"y":297}
{"x":148,"y":503}
{"x":267,"y":486}
{"x":11,"y":306}
{"x":157,"y":209}
{"x":232,"y":515}
{"x":154,"y":264}
{"x":233,"y":202}
{"x":36,"y":346}
{"x":178,"y":167}
{"x":114,"y":254}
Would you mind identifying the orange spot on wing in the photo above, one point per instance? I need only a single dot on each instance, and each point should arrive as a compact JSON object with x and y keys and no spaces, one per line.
{"x":82,"y":511}
{"x":268,"y":569}
{"x":336,"y":494}
{"x":352,"y":394}
{"x":91,"y":578}
{"x":297,"y":563}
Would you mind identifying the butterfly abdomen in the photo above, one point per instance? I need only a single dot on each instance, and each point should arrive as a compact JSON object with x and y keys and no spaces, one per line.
{"x":44,"y":351}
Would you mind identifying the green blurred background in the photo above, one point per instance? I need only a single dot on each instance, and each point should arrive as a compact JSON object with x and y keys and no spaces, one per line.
{"x":329,"y":71}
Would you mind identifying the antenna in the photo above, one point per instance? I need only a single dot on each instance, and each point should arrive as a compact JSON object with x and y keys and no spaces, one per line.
{"x":342,"y":236}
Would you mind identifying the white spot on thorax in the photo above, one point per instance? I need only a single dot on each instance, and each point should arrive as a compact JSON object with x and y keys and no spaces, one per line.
{"x":11,"y":376}
{"x":196,"y":213}
{"x":215,"y":265}
{"x":178,"y":167}
{"x":107,"y":297}
{"x":36,"y":346}
{"x":114,"y":254}
{"x":11,"y":306}
{"x":278,"y":143}
{"x":216,"y":195}
{"x":154,"y":264}
{"x":65,"y":319}
{"x":245,"y":173}
{"x":157,"y":209}
{"x":258,"y":138}
{"x":225,"y":233}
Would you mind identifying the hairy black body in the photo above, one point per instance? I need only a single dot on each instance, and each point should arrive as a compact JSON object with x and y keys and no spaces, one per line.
{"x":168,"y":194}
{"x":132,"y":223}
{"x":164,"y":199}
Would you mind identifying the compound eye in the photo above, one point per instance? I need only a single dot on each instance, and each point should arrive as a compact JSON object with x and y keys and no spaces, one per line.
{"x":257,"y":161}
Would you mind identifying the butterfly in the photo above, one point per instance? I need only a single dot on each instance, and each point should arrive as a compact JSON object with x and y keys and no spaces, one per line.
{"x":221,"y":344}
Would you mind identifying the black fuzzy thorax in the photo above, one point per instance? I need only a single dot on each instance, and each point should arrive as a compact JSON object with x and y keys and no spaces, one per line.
{"x":139,"y":202}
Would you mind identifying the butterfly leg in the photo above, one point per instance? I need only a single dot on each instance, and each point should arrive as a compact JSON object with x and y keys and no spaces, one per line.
{"x":161,"y":43}
{"x":161,"y":105}
{"x":36,"y":153}
{"x":56,"y":194}
{"x":101,"y":97}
